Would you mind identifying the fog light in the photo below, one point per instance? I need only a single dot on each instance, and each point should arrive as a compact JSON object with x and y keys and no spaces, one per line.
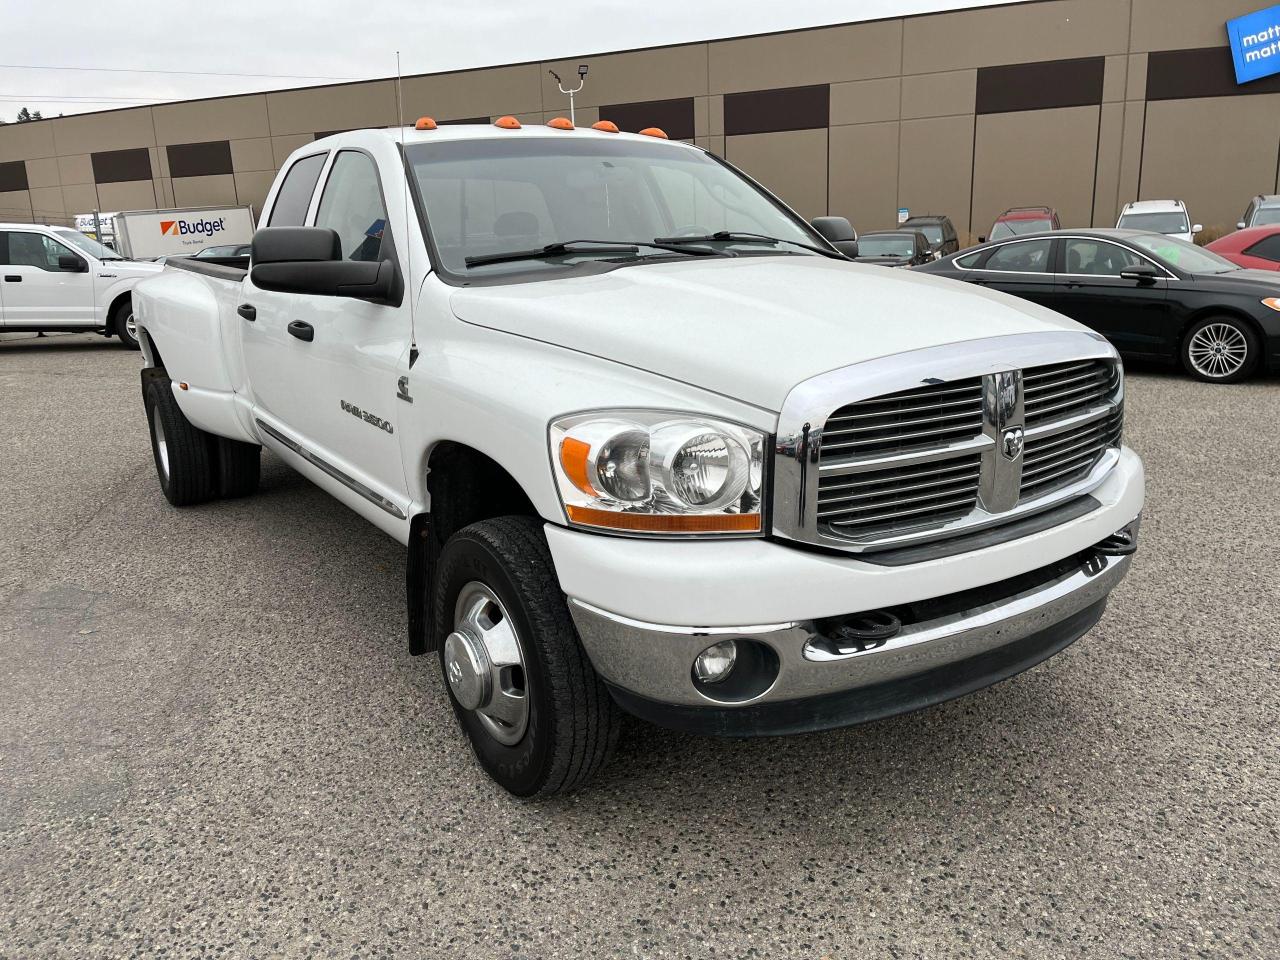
{"x":716,"y":662}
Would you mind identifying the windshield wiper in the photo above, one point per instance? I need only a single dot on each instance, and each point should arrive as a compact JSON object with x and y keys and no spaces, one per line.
{"x":569,"y":247}
{"x":738,"y":236}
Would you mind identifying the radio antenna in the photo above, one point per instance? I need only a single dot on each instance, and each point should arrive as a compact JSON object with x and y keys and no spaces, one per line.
{"x":404,"y":180}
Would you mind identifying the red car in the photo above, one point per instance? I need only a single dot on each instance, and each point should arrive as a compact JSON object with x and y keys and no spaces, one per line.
{"x":1020,"y":220}
{"x":1255,"y":248}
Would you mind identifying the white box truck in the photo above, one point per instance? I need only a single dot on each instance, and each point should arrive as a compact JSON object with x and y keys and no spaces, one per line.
{"x":148,"y":234}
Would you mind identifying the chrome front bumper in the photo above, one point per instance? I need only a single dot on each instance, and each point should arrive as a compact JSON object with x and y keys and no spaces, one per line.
{"x":649,"y":665}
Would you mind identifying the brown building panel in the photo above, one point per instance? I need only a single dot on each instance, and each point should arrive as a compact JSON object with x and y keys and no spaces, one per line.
{"x":773,"y":111}
{"x":199,"y":159}
{"x":117,"y":166}
{"x":1040,"y":86}
{"x":1206,"y":72}
{"x":673,"y":117}
{"x":13,"y":176}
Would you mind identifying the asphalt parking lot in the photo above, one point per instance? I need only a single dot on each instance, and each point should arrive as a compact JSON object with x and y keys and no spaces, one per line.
{"x":213,"y":742}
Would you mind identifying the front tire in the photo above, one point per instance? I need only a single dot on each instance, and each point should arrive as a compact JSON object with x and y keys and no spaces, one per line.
{"x":184,"y":454}
{"x":124,"y":326}
{"x":540,"y":720}
{"x":1220,"y":350}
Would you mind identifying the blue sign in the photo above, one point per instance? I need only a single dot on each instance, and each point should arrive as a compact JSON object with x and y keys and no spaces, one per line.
{"x":1255,"y":44}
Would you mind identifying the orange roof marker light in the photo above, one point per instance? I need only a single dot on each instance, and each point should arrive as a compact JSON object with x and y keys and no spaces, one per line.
{"x":561,"y":123}
{"x":425,"y":123}
{"x":654,"y":132}
{"x":507,"y":123}
{"x":608,"y":126}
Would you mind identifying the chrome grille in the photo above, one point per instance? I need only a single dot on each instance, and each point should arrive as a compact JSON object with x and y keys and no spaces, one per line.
{"x":925,"y":417}
{"x":1055,"y":460}
{"x":1062,"y":390}
{"x":927,"y":492}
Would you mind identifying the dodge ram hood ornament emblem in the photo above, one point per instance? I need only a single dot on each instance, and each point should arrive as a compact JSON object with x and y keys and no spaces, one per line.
{"x":1011,"y":443}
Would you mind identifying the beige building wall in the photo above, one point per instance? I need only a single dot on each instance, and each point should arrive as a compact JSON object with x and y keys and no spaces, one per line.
{"x":1080,"y":104}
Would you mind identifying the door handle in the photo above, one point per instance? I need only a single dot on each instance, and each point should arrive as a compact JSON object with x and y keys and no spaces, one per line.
{"x":248,"y":311}
{"x":13,"y":278}
{"x":303,"y":331}
{"x":1074,"y":284}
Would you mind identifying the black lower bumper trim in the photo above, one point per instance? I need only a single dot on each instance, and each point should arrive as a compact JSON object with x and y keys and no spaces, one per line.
{"x":864,"y":704}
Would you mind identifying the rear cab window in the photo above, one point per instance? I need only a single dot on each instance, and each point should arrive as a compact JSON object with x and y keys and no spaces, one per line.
{"x":294,"y":196}
{"x":351,"y":205}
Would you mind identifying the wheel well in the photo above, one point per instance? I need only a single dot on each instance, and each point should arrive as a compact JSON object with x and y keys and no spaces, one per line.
{"x":465,"y":486}
{"x":149,"y":349}
{"x":116,"y":304}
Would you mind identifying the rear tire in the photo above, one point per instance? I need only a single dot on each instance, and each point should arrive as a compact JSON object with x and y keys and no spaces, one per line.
{"x":124,"y":327}
{"x":1221,"y":350}
{"x":184,"y":454}
{"x":498,"y":576}
{"x":239,"y":467}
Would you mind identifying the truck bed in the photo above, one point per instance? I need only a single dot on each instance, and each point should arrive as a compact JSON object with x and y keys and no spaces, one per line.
{"x":224,"y":268}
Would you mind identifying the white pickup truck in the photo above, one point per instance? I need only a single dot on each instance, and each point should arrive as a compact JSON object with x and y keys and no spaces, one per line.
{"x":56,"y":278}
{"x":653,"y":445}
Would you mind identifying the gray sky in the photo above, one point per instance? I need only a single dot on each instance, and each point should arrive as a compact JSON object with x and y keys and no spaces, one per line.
{"x":339,"y":39}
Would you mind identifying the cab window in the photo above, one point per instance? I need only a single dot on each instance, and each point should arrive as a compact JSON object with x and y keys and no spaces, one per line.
{"x":35,"y":250}
{"x":352,"y":206}
{"x":1025,"y":256}
{"x":294,"y":196}
{"x":1097,"y":258}
{"x":1268,"y":248}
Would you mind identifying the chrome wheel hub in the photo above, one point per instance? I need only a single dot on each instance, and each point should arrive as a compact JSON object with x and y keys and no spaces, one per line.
{"x":1218,"y":350}
{"x":484,"y":664}
{"x":131,"y":326}
{"x":162,"y":445}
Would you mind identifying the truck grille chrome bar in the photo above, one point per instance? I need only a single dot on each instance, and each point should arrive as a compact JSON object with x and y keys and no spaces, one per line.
{"x":957,"y":451}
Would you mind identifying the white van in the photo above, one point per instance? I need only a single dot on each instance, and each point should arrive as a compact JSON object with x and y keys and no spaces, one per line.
{"x":1169,"y":217}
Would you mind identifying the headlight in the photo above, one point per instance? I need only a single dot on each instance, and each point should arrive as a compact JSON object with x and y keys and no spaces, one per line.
{"x":1272,"y":302}
{"x":652,"y":471}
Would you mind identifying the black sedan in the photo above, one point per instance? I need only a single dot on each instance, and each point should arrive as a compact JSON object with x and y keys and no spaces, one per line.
{"x":1152,"y":296}
{"x":894,"y":248}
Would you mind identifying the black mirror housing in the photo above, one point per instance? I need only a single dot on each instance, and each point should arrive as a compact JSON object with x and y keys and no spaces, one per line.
{"x":295,"y":245}
{"x":308,"y":260}
{"x":1143,"y":273}
{"x":848,"y":247}
{"x":834,"y":229}
{"x":72,"y":264}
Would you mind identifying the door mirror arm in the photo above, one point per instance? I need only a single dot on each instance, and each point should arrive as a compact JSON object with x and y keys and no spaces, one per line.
{"x":1143,"y":275}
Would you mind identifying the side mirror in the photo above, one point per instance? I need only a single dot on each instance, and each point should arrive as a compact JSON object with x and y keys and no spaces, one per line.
{"x":308,"y":260}
{"x":1240,"y":225}
{"x":1143,"y":273}
{"x":848,"y":247}
{"x":834,"y":229}
{"x":982,"y":239}
{"x":1196,"y":228}
{"x":72,"y":264}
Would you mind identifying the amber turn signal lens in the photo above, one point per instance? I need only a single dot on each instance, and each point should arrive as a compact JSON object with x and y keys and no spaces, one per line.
{"x":1272,"y":302}
{"x":654,"y":132}
{"x":561,"y":123}
{"x":665,"y":523}
{"x":507,"y":123}
{"x":608,"y":126}
{"x":573,"y":457}
{"x":425,"y":123}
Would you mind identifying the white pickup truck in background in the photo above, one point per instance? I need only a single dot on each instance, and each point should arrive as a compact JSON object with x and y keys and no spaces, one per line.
{"x":57,"y":279}
{"x":653,"y":445}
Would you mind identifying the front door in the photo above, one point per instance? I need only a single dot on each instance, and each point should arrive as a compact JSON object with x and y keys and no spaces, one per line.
{"x":1132,"y":314}
{"x":1020,"y":267}
{"x":40,"y":288}
{"x":324,"y":370}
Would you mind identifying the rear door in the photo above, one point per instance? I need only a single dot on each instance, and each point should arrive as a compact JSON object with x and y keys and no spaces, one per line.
{"x":1020,"y":267}
{"x":1132,"y":314}
{"x":39,"y":291}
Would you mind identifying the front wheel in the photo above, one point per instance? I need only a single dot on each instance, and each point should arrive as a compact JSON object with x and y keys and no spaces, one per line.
{"x":124,"y":326}
{"x":539,"y":719}
{"x":1220,"y":350}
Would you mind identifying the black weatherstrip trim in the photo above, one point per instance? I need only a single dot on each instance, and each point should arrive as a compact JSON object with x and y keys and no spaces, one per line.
{"x":1040,"y":86}
{"x":375,"y":498}
{"x":773,"y":111}
{"x":673,"y":117}
{"x":120,"y":166}
{"x":1201,"y":72}
{"x":13,"y":176}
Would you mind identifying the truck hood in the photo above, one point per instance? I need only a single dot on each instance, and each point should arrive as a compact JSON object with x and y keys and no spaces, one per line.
{"x":750,"y":327}
{"x":130,"y":268}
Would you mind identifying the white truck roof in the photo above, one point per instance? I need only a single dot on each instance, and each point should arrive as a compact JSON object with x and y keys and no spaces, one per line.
{"x":485,"y":131}
{"x":1155,"y":206}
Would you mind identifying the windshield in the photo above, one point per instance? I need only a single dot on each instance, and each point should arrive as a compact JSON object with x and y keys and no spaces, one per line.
{"x":1156,"y":222}
{"x":87,"y":245}
{"x":1183,"y":255}
{"x":932,"y":231}
{"x":1266,"y":216}
{"x":885,"y":246}
{"x":490,"y":196}
{"x":1017,"y":228}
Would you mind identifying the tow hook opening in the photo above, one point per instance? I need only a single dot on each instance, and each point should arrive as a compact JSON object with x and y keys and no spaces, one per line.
{"x":1122,"y":543}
